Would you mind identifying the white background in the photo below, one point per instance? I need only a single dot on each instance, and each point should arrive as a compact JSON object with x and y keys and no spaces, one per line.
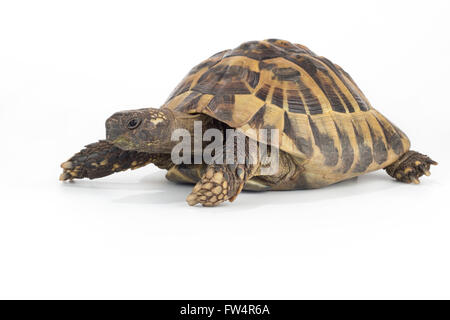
{"x":65,"y":66}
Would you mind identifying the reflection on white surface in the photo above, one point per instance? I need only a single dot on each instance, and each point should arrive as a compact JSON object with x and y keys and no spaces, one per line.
{"x":158,"y":190}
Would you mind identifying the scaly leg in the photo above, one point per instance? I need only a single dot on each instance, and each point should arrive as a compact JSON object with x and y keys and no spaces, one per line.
{"x":102,"y":158}
{"x":222,"y":182}
{"x":409,"y":167}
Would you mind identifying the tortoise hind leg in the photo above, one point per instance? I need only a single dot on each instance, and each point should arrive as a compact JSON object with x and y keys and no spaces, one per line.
{"x":186,"y":173}
{"x":102,"y":158}
{"x":410,"y":166}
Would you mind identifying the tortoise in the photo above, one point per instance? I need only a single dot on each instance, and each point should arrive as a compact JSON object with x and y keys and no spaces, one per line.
{"x":328,"y":130}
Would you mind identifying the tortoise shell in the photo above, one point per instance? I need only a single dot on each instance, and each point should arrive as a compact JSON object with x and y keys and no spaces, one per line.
{"x":323,"y":117}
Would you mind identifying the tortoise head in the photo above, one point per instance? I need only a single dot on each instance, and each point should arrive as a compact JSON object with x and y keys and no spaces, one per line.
{"x":147,"y":130}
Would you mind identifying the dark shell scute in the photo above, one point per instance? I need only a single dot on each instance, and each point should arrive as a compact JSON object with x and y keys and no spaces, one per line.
{"x":227,"y":79}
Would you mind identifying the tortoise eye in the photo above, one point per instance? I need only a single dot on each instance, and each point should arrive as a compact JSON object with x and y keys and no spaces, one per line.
{"x":133,"y":123}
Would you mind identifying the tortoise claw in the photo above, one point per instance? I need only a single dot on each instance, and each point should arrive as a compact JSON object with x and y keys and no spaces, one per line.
{"x":64,"y":176}
{"x":192,"y":199}
{"x":67,"y":165}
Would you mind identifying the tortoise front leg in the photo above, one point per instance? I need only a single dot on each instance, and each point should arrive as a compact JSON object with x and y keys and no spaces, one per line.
{"x":222,"y":182}
{"x":102,"y":158}
{"x":219,"y":183}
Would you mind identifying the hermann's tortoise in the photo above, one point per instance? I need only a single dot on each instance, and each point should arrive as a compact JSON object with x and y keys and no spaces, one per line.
{"x":327,"y":129}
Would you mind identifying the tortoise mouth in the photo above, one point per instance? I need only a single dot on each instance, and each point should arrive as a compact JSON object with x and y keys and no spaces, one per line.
{"x":122,"y":143}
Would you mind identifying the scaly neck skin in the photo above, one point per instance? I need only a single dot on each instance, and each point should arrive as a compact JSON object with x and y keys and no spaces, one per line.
{"x":187,"y":121}
{"x":159,"y":125}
